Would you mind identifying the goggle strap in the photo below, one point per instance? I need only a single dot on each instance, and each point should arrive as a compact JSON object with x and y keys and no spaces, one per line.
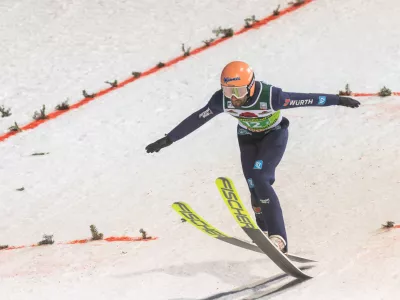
{"x":251,"y":84}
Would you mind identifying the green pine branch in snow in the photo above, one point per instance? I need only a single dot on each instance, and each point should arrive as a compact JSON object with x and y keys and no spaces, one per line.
{"x":63,"y":106}
{"x":226,"y":32}
{"x":114,"y":83}
{"x":296,"y":2}
{"x":389,"y":224}
{"x":15,"y":127}
{"x":39,"y":153}
{"x":40,"y":115}
{"x":86,"y":95}
{"x":208,"y":42}
{"x":346,"y":92}
{"x":47,"y":240}
{"x":5,"y":112}
{"x":249,"y":22}
{"x":186,"y":52}
{"x":144,"y":234}
{"x":95,"y":234}
{"x":276,"y":12}
{"x":384,"y":92}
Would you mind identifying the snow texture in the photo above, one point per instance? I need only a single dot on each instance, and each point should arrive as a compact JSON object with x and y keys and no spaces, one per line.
{"x":338,"y":181}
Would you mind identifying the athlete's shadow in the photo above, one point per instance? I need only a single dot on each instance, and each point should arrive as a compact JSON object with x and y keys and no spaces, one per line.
{"x":231,"y":272}
{"x":257,"y":290}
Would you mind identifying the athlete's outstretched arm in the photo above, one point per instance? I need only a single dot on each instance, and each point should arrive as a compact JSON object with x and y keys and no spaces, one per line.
{"x":283,"y":100}
{"x":190,"y":124}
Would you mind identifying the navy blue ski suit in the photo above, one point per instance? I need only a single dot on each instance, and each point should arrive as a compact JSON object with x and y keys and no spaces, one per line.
{"x":262,"y":136}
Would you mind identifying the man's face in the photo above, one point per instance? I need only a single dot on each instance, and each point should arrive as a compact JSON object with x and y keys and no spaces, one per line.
{"x":238,"y":102}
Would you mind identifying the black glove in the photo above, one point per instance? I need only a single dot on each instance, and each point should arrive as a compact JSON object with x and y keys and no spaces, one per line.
{"x":349,"y":102}
{"x":159,"y":144}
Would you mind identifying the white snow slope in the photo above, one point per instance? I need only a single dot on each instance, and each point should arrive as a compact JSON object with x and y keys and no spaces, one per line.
{"x":338,"y":181}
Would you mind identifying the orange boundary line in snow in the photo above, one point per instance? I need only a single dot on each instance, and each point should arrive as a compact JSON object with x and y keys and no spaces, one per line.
{"x":109,"y":239}
{"x":174,"y":61}
{"x":372,"y":94}
{"x":390,"y":228}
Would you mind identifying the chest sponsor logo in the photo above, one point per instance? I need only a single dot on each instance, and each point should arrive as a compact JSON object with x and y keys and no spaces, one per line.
{"x":248,"y":114}
{"x":229,"y":104}
{"x":263,"y":105}
{"x":289,"y":102}
{"x":260,"y":123}
{"x":265,"y":112}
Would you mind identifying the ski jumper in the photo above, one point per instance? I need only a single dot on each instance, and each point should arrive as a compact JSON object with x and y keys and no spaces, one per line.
{"x":262,"y":136}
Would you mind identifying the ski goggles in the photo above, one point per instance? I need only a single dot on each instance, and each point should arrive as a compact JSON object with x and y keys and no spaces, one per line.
{"x":238,"y":91}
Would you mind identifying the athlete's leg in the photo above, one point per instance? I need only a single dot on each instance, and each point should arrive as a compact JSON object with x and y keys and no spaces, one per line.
{"x":248,"y":153}
{"x":270,"y":153}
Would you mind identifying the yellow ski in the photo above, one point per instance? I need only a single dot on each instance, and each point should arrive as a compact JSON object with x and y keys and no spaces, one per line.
{"x":191,"y":216}
{"x":186,"y":212}
{"x":249,"y":226}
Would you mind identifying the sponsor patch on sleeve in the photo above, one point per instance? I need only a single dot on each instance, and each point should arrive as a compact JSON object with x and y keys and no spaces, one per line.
{"x":205,"y":113}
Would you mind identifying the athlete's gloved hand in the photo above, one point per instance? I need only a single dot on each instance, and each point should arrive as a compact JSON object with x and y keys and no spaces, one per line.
{"x":159,"y":144}
{"x":349,"y":102}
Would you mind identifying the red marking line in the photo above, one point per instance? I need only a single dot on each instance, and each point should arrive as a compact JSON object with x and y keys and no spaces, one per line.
{"x":174,"y":61}
{"x":109,"y":239}
{"x":372,"y":94}
{"x":170,"y":63}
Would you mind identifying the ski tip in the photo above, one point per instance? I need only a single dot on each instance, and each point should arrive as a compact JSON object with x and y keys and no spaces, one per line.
{"x":223,"y":178}
{"x":177,"y":203}
{"x":180,"y":204}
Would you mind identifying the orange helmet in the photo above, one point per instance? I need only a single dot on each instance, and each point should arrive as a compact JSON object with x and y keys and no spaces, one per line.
{"x":237,"y":79}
